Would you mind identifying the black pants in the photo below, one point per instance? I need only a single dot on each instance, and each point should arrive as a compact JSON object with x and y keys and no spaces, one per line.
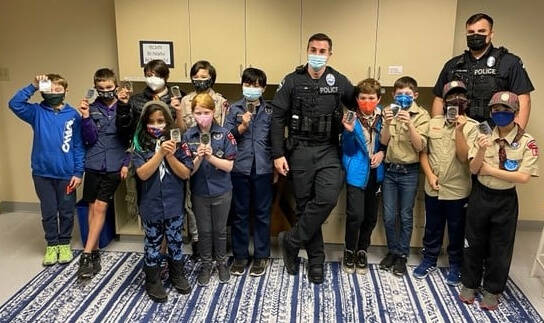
{"x":437,"y":214}
{"x":317,"y":179}
{"x":361,"y":214}
{"x":489,"y":237}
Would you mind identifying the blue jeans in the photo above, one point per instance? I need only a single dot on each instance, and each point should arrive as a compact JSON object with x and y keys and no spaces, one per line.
{"x":247,"y":189}
{"x":399,"y":192}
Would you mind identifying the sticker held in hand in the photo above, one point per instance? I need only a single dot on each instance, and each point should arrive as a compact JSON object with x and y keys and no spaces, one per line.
{"x":452,"y":112}
{"x":45,"y":85}
{"x":350,"y":116}
{"x":205,"y":138}
{"x":175,"y":135}
{"x":484,"y":128}
{"x":176,"y":92}
{"x":90,"y":94}
{"x":395,"y":108}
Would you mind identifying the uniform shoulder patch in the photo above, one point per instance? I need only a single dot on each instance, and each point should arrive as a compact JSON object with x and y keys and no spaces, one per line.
{"x":186,"y":149}
{"x":534,"y":148}
{"x":230,"y":137}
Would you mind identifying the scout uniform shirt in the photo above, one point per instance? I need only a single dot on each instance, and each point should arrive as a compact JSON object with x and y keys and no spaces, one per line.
{"x":399,"y":148}
{"x":221,"y":108}
{"x":520,"y":156}
{"x":159,"y":195}
{"x":208,"y":181}
{"x":453,"y":175}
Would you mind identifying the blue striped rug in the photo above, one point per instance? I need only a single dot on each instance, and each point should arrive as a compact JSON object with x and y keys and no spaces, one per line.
{"x":117,"y":295}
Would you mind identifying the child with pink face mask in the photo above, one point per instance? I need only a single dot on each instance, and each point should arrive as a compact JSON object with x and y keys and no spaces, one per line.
{"x":214,"y":150}
{"x":362,"y":156}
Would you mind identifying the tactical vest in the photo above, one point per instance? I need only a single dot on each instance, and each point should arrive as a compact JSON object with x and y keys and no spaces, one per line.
{"x":309,"y":122}
{"x":482,"y":80}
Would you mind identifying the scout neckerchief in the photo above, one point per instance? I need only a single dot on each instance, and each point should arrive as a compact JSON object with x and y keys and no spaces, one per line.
{"x":502,"y":144}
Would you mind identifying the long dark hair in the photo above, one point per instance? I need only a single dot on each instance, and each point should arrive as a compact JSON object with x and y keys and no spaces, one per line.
{"x":143,"y":141}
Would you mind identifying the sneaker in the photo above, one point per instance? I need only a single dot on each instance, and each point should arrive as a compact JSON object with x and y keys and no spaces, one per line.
{"x":424,"y":269}
{"x":238,"y":267}
{"x":205,"y":274}
{"x":258,"y":267}
{"x":454,"y":276}
{"x":361,"y":262}
{"x":467,"y":295}
{"x":388,"y":261}
{"x":86,"y":265}
{"x":51,"y":256}
{"x":399,"y":268}
{"x":348,"y":261}
{"x":65,"y":254}
{"x":224,"y":273}
{"x":489,"y":301}
{"x":315,"y":274}
{"x":97,"y":267}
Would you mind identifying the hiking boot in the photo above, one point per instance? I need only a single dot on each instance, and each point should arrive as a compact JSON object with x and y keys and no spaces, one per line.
{"x":467,"y":295}
{"x":238,"y":267}
{"x":399,"y":268}
{"x":361,"y":262}
{"x":388,"y":261}
{"x":424,"y":269}
{"x":348,"y":261}
{"x":153,"y":284}
{"x":204,"y":274}
{"x":489,"y":301}
{"x":85,"y":269}
{"x":289,"y":255}
{"x":65,"y":254}
{"x":258,"y":267}
{"x":97,"y":267}
{"x":223,"y":271}
{"x":51,"y":256}
{"x":178,"y":277}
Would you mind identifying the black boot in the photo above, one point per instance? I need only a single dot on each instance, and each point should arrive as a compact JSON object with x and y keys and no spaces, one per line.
{"x":177,"y":276}
{"x":96,"y":262}
{"x":290,"y":256}
{"x":153,"y":284}
{"x":196,"y":253}
{"x":315,"y":274}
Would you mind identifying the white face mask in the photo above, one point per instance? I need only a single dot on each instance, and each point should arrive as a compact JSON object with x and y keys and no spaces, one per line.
{"x":154,"y":82}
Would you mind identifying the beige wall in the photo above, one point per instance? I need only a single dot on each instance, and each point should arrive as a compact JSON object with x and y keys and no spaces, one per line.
{"x":70,"y":37}
{"x":517,"y":27}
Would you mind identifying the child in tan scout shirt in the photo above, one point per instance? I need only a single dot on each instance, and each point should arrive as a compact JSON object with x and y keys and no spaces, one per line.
{"x":506,"y":157}
{"x":405,"y":135}
{"x":447,"y":188}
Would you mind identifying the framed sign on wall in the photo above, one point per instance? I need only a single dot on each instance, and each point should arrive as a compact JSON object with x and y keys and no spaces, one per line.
{"x":151,"y":49}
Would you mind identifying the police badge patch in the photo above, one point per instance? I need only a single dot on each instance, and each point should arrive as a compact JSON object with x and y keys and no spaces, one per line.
{"x":330,"y":79}
{"x":491,"y":61}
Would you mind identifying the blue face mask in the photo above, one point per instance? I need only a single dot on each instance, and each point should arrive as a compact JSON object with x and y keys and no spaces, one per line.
{"x":502,"y":118}
{"x":404,"y":100}
{"x":252,"y":93}
{"x":316,"y":62}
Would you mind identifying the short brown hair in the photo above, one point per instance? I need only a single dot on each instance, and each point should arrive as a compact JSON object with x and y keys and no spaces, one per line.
{"x":204,"y":100}
{"x":477,"y":17}
{"x":404,"y":82}
{"x":157,"y":67}
{"x":369,"y":86}
{"x":204,"y":65}
{"x":105,"y":74}
{"x":57,"y":79}
{"x":320,"y":37}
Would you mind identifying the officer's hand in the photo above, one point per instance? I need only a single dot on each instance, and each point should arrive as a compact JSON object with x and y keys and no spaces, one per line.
{"x":483,"y":141}
{"x":176,"y":104}
{"x":246,"y":119}
{"x":460,"y":122}
{"x":433,"y":182}
{"x":349,"y":126}
{"x":123,"y":95}
{"x":281,"y":165}
{"x":37,"y":79}
{"x":201,"y":150}
{"x":124,"y":172}
{"x":404,"y":116}
{"x":168,"y":148}
{"x":376,"y":159}
{"x":275,"y":177}
{"x":388,"y":115}
{"x":84,"y":108}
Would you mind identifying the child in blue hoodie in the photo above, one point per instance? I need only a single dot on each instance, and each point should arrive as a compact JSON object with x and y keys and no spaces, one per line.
{"x":362,"y":156}
{"x":57,"y":160}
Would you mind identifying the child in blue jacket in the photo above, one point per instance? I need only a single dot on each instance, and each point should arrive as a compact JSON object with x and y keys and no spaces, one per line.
{"x":57,"y":160}
{"x":362,"y":156}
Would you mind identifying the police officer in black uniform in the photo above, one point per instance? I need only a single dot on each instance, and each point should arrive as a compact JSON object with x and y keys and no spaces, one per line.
{"x":309,"y":102}
{"x":485,"y":70}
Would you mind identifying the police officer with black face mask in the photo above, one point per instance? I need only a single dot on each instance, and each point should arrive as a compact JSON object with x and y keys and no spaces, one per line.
{"x":485,"y":70}
{"x":309,"y":103}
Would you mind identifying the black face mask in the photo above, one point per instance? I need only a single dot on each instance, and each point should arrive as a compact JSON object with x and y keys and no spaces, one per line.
{"x":106,"y":95}
{"x":53,"y":99}
{"x":476,"y":41}
{"x":202,"y":85}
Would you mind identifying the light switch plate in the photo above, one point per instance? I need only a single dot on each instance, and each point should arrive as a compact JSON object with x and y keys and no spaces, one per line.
{"x":394,"y":70}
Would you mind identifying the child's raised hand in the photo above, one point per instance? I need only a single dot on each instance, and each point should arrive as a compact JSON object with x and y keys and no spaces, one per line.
{"x":201,"y":150}
{"x":37,"y":79}
{"x":123,"y":95}
{"x":388,"y":115}
{"x":349,"y":126}
{"x":176,"y":103}
{"x":246,"y":119}
{"x":460,"y":122}
{"x":84,"y":108}
{"x":404,"y":116}
{"x":168,"y":148}
{"x":483,"y":141}
{"x":208,"y":152}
